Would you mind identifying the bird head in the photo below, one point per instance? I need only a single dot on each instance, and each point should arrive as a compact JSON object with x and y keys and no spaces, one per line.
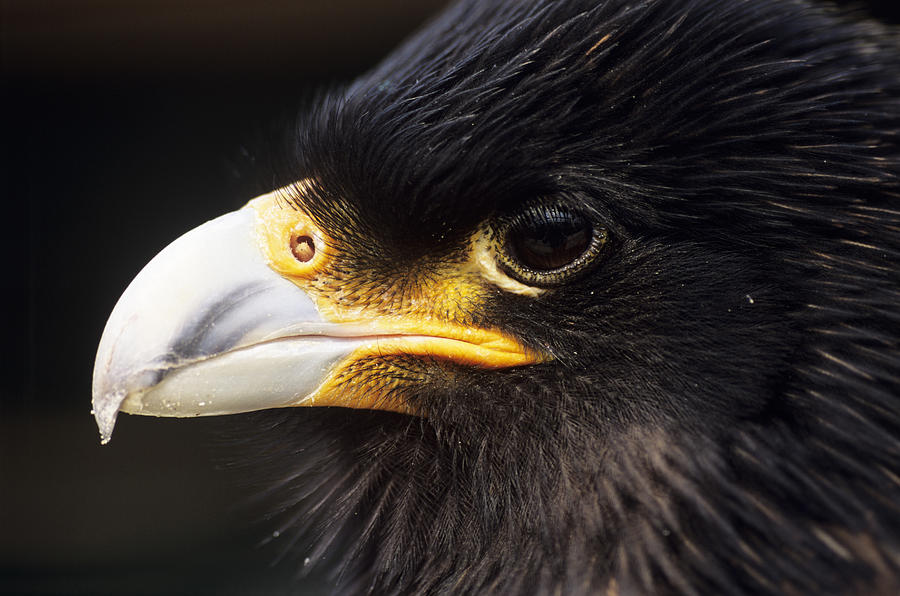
{"x":583,"y":295}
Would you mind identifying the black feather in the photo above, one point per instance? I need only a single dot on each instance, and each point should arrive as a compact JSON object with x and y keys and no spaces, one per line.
{"x":722,"y":415}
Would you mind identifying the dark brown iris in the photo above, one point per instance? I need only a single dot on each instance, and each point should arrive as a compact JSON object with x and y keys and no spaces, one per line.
{"x":548,"y":243}
{"x":545,"y":239}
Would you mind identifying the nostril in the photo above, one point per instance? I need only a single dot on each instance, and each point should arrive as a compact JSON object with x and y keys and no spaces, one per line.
{"x":303,"y":247}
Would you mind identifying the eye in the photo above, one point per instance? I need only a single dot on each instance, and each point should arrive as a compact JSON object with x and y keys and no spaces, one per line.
{"x":546,"y":244}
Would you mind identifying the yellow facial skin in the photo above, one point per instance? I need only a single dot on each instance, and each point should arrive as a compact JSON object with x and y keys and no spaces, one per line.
{"x":424,"y":320}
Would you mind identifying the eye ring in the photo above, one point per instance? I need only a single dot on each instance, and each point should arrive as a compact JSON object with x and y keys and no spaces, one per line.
{"x":547,"y":243}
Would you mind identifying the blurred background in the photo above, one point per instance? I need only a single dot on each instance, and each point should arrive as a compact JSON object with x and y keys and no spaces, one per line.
{"x":125,"y":124}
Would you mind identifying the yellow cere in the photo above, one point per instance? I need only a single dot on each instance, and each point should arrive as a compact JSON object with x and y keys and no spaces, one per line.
{"x":277,"y":226}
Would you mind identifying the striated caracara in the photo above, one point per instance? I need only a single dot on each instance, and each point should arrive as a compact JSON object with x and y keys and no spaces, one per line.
{"x":592,"y":297}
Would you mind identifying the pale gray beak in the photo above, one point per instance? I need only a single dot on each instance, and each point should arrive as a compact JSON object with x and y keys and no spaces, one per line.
{"x":209,"y":303}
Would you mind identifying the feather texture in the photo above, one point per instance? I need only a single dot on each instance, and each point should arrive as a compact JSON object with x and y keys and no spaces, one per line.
{"x":722,"y":413}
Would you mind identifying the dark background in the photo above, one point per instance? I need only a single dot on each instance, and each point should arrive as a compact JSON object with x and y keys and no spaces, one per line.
{"x":124,"y":125}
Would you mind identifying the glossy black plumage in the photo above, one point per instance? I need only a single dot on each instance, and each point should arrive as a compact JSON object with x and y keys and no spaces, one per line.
{"x":722,"y":414}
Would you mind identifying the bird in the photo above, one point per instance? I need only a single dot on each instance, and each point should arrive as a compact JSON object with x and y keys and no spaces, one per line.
{"x":563,"y":297}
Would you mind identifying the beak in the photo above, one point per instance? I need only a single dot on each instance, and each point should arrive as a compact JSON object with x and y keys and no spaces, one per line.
{"x":200,"y":327}
{"x":211,"y":326}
